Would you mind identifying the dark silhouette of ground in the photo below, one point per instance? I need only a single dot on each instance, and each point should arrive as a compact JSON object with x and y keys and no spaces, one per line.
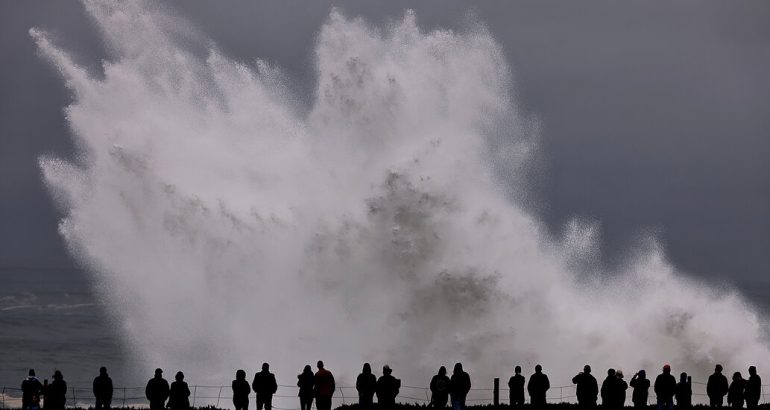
{"x":157,"y":391}
{"x":366,"y":385}
{"x":516,"y":387}
{"x":537,"y":387}
{"x":241,"y":391}
{"x":264,"y":386}
{"x":306,"y":383}
{"x":102,"y":388}
{"x":587,"y":389}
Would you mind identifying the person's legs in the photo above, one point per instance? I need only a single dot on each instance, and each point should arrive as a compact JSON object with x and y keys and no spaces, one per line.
{"x":269,"y":402}
{"x":260,"y":402}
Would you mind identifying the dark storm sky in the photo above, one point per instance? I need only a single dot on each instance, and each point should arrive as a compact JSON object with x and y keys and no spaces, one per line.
{"x":655,"y":115}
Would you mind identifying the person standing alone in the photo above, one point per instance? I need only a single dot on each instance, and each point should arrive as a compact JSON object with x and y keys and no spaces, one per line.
{"x":264,"y":386}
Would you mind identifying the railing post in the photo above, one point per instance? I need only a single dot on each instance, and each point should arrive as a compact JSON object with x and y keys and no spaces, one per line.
{"x":220,"y":395}
{"x":342,"y":392}
{"x":74,"y":398}
{"x":3,"y":397}
{"x":195,"y":394}
{"x":496,"y":392}
{"x":124,"y":397}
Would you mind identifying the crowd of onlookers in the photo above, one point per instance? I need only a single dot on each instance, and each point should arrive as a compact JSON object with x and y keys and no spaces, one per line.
{"x":320,"y":387}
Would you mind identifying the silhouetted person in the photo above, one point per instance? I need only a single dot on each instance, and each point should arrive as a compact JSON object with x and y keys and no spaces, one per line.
{"x":103,"y":390}
{"x":736,"y":391}
{"x":587,"y":388}
{"x":157,"y":391}
{"x":439,"y":388}
{"x":641,"y":385}
{"x":56,"y":392}
{"x":753,"y":388}
{"x":366,"y":385}
{"x":305,"y":382}
{"x":31,"y":390}
{"x":264,"y":386}
{"x":179,"y":393}
{"x":665,"y":388}
{"x":538,"y":387}
{"x":459,"y":386}
{"x":516,"y":387}
{"x":241,"y":391}
{"x":684,"y":391}
{"x":717,"y":387}
{"x":610,"y":387}
{"x":324,"y":387}
{"x":387,"y":389}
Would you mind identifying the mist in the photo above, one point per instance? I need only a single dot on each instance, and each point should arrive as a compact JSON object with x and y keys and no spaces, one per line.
{"x":227,"y":225}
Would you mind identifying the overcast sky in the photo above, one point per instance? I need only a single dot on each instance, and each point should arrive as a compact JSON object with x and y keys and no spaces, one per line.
{"x":655,"y":115}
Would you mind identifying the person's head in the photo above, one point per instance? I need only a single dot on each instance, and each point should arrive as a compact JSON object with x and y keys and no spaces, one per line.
{"x":265,"y":367}
{"x":158,"y":372}
{"x":538,"y":368}
{"x":517,"y":369}
{"x":718,"y":368}
{"x":179,"y":376}
{"x":683,"y":377}
{"x":586,"y":369}
{"x":737,"y":376}
{"x":320,"y":364}
{"x":753,"y":370}
{"x":458,"y":368}
{"x":367,"y":368}
{"x":442,"y":371}
{"x":619,"y":373}
{"x":57,"y":375}
{"x":102,"y":371}
{"x":642,"y":374}
{"x":386,"y":369}
{"x":666,"y":368}
{"x":31,"y":373}
{"x":307,"y":369}
{"x":611,"y":372}
{"x":240,"y":374}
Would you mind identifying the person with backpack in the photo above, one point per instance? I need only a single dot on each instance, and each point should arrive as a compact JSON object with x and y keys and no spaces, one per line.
{"x":387,"y":389}
{"x":31,"y":390}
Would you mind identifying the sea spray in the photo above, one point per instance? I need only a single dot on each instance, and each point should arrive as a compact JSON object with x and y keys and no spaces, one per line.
{"x":226,"y":227}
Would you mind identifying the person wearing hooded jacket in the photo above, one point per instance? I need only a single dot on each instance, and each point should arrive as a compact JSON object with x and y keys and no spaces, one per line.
{"x":641,"y":385}
{"x":439,"y":388}
{"x":717,"y":387}
{"x":264,"y":386}
{"x":31,"y":390}
{"x":459,"y":386}
{"x":587,"y":389}
{"x":609,"y":390}
{"x":241,"y":391}
{"x":366,"y":385}
{"x":387,"y":389}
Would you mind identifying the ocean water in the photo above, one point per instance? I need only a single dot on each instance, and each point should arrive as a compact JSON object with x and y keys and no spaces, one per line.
{"x":52,"y":320}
